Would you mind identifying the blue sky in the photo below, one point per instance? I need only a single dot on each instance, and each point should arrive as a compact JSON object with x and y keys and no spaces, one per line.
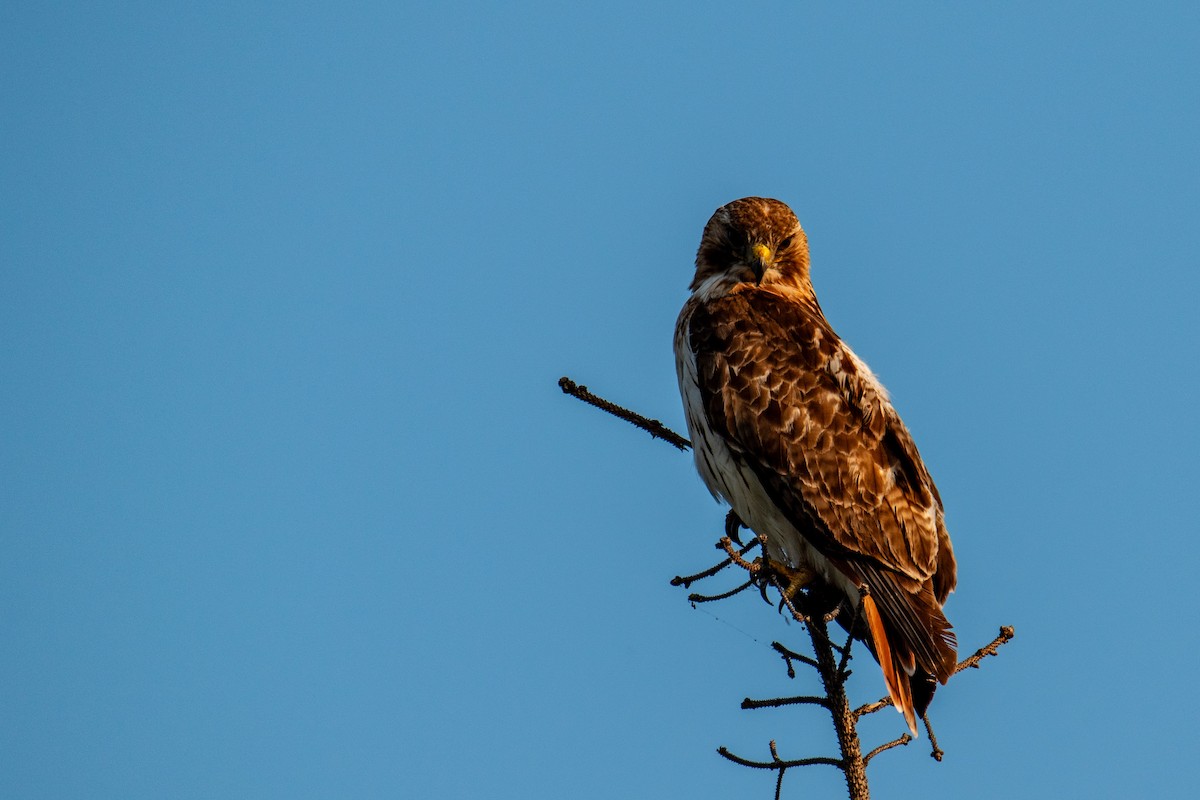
{"x":293,"y":507}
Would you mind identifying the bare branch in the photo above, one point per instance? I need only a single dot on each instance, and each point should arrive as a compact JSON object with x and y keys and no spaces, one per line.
{"x":708,"y":598}
{"x":688,"y":580}
{"x":650,"y":426}
{"x":777,"y":763}
{"x":899,"y":741}
{"x":1007,"y":632}
{"x":790,"y":656}
{"x":791,"y":605}
{"x":935,"y":751}
{"x":845,"y":659}
{"x":777,"y":702}
{"x":804,"y":619}
{"x":805,"y":608}
{"x":735,"y":556}
{"x":871,"y":708}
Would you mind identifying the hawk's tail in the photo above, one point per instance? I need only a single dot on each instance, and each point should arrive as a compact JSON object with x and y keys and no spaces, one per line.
{"x":897,"y":682}
{"x":913,"y":643}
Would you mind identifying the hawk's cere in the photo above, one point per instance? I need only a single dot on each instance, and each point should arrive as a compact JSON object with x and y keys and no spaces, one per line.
{"x":799,"y":437}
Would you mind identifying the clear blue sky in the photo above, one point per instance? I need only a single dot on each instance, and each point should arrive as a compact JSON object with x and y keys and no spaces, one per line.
{"x":291,"y":505}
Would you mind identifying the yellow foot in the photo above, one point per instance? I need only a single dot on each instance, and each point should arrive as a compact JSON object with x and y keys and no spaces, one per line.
{"x":764,"y":568}
{"x":791,"y":579}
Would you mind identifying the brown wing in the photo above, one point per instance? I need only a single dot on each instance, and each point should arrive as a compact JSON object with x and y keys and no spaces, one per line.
{"x":831,"y":453}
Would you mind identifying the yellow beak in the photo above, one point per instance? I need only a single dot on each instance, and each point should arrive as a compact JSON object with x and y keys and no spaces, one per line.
{"x":760,"y":259}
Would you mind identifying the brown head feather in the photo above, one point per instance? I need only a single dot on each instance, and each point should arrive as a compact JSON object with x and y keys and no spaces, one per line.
{"x":727,"y":245}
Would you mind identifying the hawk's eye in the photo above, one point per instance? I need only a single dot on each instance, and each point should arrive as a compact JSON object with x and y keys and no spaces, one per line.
{"x":785,"y":244}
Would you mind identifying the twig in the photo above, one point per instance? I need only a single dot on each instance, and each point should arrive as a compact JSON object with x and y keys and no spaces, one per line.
{"x":778,"y":763}
{"x":805,"y":619}
{"x":936,"y":751}
{"x":849,"y":641}
{"x":871,"y":708}
{"x":1007,"y":632}
{"x":735,"y":556}
{"x":789,"y":657}
{"x":779,"y":702}
{"x":650,"y":426}
{"x":899,"y":741}
{"x":992,"y":648}
{"x":708,"y":598}
{"x":787,"y":601}
{"x":687,"y":580}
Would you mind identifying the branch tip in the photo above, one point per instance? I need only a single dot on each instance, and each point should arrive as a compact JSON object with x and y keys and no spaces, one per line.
{"x":650,"y":426}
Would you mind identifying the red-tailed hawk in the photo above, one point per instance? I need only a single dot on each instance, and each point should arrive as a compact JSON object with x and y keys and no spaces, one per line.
{"x":794,"y":431}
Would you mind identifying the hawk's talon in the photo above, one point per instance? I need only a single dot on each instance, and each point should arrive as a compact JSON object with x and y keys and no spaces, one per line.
{"x":789,"y":580}
{"x":733,"y":526}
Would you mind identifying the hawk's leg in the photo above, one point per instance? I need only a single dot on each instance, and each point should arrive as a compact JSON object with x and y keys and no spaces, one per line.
{"x":790,"y":580}
{"x":765,"y":569}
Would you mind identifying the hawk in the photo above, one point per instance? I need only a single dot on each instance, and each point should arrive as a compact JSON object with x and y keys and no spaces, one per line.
{"x":793,"y":430}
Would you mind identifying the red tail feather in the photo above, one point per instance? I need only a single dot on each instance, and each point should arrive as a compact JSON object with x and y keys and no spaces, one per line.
{"x":895,"y":678}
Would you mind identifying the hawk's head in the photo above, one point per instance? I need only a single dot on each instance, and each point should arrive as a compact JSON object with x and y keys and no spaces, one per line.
{"x":753,"y":240}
